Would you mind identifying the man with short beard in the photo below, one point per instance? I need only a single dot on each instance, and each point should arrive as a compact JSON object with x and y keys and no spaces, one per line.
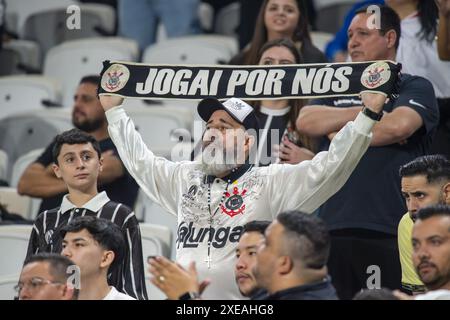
{"x":39,"y":180}
{"x":431,"y":252}
{"x":213,"y":200}
{"x":291,"y":262}
{"x":425,"y":181}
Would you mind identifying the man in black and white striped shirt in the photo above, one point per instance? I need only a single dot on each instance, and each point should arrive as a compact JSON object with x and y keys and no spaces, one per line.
{"x":77,"y":158}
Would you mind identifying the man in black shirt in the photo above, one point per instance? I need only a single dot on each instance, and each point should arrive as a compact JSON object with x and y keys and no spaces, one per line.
{"x":364,"y":214}
{"x":78,"y":162}
{"x":39,"y":181}
{"x":292,"y":260}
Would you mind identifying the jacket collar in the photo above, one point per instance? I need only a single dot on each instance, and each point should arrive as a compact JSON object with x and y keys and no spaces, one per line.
{"x":300,"y":290}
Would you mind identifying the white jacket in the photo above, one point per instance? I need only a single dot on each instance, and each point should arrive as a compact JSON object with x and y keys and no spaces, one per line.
{"x":253,"y":194}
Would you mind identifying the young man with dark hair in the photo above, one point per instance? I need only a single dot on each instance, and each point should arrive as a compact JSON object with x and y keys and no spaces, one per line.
{"x":78,"y":162}
{"x":431,"y":251}
{"x":363,"y":215}
{"x":424,"y":181}
{"x":251,"y":237}
{"x":183,"y":284}
{"x":292,"y":260}
{"x":39,"y":180}
{"x":98,"y":248}
{"x":46,"y":276}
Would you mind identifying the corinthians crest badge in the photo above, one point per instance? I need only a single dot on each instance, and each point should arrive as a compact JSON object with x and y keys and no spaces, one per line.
{"x":376,"y":75}
{"x":115,"y":77}
{"x":234,"y":203}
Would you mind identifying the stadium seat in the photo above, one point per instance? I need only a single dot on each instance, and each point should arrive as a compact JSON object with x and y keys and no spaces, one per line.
{"x":330,"y":17}
{"x":22,"y":9}
{"x":159,"y":126}
{"x":27,"y":93}
{"x":22,"y":133}
{"x":9,"y":62}
{"x":7,"y":284}
{"x":206,"y":16}
{"x":70,"y":61}
{"x":22,"y":163}
{"x":48,"y":28}
{"x":106,"y":13}
{"x":60,"y":118}
{"x":18,"y":168}
{"x":228,"y":19}
{"x":13,"y":245}
{"x":226,"y":43}
{"x":29,"y":52}
{"x":14,"y":202}
{"x":156,"y":241}
{"x":3,"y":166}
{"x":153,"y":214}
{"x":189,"y":50}
{"x":321,"y":39}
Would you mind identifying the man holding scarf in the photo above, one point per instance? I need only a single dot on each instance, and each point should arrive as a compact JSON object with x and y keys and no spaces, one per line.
{"x":215,"y":197}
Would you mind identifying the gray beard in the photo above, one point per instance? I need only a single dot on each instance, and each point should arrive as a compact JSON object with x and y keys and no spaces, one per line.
{"x":215,"y":165}
{"x":217,"y":169}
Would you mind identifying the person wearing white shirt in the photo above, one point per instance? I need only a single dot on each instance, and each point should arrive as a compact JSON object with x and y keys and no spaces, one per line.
{"x":97,"y":247}
{"x":418,"y":54}
{"x":116,"y":295}
{"x":214,"y":199}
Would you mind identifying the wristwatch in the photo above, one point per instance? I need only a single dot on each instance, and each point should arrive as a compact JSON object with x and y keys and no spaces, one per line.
{"x":190,"y":295}
{"x":372,"y":115}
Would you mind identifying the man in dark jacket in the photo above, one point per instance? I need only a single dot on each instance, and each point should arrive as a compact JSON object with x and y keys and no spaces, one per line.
{"x":292,"y":261}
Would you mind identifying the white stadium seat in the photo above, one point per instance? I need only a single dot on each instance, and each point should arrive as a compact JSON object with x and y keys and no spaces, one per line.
{"x":228,"y":19}
{"x":206,"y":16}
{"x":22,"y":133}
{"x":188,"y":50}
{"x":106,"y":13}
{"x":321,"y":39}
{"x":48,"y":28}
{"x":3,"y":165}
{"x":158,"y":125}
{"x":27,"y":93}
{"x":153,"y":214}
{"x":18,"y":168}
{"x":22,"y":9}
{"x":60,"y":118}
{"x":13,"y":247}
{"x":156,"y":241}
{"x":14,"y":202}
{"x":72,"y":60}
{"x":22,"y":163}
{"x":29,"y":52}
{"x":7,"y":284}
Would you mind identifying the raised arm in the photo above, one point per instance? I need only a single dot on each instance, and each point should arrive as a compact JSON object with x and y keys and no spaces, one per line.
{"x":309,"y":184}
{"x":158,"y":177}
